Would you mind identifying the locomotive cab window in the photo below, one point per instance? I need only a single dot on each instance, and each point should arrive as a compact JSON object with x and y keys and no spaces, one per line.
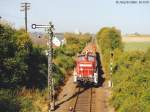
{"x":81,"y":58}
{"x":90,"y":58}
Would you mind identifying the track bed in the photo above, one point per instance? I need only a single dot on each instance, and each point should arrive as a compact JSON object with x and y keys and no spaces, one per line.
{"x":85,"y":101}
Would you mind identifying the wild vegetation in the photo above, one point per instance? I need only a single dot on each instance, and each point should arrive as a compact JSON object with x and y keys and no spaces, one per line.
{"x":131,"y":82}
{"x":108,"y":40}
{"x":131,"y":85}
{"x":23,"y":69}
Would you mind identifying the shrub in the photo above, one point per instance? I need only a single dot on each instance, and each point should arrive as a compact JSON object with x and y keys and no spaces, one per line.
{"x":108,"y":40}
{"x":131,"y":81}
{"x":8,"y":101}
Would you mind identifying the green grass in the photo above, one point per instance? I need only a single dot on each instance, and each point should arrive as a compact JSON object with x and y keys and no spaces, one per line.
{"x":132,"y":46}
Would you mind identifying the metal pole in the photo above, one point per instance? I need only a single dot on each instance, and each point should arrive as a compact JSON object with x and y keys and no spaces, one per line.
{"x":26,"y":17}
{"x":51,"y":90}
{"x":26,"y":7}
{"x":50,"y":77}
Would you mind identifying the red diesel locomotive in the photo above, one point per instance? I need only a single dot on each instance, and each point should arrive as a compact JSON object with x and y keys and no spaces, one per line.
{"x":86,"y":70}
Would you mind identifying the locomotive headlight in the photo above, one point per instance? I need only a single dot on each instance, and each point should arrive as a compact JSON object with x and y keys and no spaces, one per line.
{"x":91,"y":76}
{"x":81,"y":69}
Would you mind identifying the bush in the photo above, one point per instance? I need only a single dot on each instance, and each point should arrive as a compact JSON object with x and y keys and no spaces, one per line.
{"x":21,"y":64}
{"x":108,"y":41}
{"x":131,"y":82}
{"x":58,"y":75}
{"x":8,"y":101}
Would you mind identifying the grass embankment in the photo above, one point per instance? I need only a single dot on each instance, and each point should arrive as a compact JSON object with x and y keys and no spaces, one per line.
{"x":25,"y":100}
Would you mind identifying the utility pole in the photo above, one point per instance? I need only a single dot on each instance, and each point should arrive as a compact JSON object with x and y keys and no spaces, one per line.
{"x":51,"y":90}
{"x":25,"y":7}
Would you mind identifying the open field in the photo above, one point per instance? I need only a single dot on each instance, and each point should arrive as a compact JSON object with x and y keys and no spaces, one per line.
{"x":136,"y":39}
{"x":136,"y":43}
{"x":143,"y":46}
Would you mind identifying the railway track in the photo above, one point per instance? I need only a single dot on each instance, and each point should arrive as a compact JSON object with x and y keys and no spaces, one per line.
{"x":85,"y":100}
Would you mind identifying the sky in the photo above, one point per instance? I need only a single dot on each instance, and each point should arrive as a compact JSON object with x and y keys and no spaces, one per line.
{"x":82,"y":15}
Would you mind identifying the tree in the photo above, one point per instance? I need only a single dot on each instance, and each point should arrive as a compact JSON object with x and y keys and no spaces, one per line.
{"x":109,"y":39}
{"x":8,"y":63}
{"x":21,"y":64}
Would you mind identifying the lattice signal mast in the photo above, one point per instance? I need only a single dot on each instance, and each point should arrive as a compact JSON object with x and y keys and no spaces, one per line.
{"x":49,"y":28}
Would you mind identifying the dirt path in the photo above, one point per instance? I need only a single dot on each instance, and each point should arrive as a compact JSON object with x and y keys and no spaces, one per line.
{"x":102,"y":98}
{"x":66,"y":97}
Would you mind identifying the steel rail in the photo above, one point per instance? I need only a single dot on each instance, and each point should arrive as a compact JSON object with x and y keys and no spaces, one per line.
{"x":83,"y":102}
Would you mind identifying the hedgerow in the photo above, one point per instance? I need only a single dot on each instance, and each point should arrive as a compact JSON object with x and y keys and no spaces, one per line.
{"x":131,"y":73}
